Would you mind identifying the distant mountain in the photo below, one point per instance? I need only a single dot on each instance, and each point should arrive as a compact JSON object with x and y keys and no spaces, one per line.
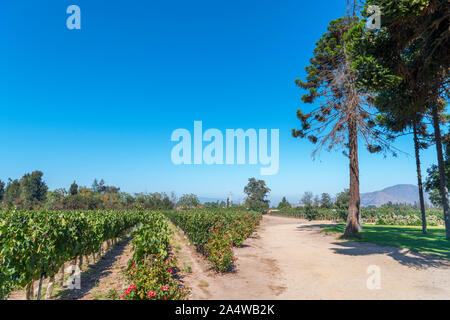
{"x":401,"y":193}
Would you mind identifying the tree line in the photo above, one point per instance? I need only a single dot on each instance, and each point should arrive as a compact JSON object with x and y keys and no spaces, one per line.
{"x":31,"y":192}
{"x":340,"y":201}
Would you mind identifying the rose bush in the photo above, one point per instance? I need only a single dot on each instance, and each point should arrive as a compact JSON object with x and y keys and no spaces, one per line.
{"x":152,"y":279}
{"x":215,"y":231}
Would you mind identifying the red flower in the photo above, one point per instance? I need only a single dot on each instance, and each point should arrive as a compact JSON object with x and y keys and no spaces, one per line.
{"x":164,"y":288}
{"x":170,"y":270}
{"x":151,"y":294}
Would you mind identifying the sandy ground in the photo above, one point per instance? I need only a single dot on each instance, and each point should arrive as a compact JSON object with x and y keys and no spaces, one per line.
{"x":292,"y":259}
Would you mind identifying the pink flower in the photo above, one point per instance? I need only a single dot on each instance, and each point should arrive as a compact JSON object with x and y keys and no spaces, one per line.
{"x":170,"y":270}
{"x":151,"y":294}
{"x":164,"y":288}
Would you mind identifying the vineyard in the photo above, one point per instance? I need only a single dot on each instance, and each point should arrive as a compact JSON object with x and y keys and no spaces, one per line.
{"x":40,"y":244}
{"x":379,"y":216}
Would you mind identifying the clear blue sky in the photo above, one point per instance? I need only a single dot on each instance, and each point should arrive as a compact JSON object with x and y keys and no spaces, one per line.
{"x":103,"y":101}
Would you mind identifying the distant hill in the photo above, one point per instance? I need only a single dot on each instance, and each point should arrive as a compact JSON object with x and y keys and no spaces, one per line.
{"x":205,"y":199}
{"x":401,"y":193}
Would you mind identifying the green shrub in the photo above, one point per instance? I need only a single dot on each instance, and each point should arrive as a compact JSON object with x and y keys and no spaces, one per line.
{"x":379,"y":216}
{"x":236,"y":224}
{"x":218,"y":248}
{"x":152,"y":279}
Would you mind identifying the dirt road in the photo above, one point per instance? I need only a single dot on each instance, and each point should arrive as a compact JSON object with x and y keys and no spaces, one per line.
{"x":292,"y":259}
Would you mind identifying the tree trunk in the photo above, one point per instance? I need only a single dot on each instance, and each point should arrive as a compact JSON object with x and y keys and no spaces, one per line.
{"x":354,"y":213}
{"x":441,"y":166}
{"x":61,"y":279}
{"x":419,"y":179}
{"x":41,"y":278}
{"x":80,"y":261}
{"x":50,"y":285}
{"x":30,"y":291}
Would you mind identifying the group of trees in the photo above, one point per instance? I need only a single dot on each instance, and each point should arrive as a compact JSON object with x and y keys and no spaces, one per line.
{"x":309,"y":199}
{"x":28,"y":192}
{"x":341,"y":202}
{"x":188,"y":201}
{"x":219,"y":204}
{"x":31,"y":192}
{"x":324,"y":201}
{"x":375,"y":85}
{"x":432,"y":183}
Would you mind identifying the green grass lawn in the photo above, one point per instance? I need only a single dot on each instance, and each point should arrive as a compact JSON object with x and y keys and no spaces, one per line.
{"x":400,"y":236}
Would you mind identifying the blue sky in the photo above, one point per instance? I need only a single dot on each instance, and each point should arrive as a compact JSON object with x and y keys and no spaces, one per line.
{"x":103,"y":101}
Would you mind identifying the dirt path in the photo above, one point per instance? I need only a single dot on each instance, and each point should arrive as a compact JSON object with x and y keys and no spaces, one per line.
{"x":292,"y":259}
{"x":103,"y":277}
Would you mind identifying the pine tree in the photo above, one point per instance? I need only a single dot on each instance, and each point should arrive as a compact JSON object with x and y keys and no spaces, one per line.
{"x":345,"y":112}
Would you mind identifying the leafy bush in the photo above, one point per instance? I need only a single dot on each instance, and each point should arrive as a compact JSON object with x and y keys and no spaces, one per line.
{"x":152,"y":279}
{"x":218,"y":248}
{"x":311,"y":213}
{"x":236,"y":225}
{"x":379,"y":216}
{"x":149,"y":271}
{"x":151,"y":236}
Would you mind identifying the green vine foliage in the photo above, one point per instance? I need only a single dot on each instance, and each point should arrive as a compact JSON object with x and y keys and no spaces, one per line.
{"x":151,"y":236}
{"x":35,"y":243}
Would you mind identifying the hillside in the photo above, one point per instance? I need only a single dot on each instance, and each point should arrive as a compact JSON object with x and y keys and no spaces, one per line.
{"x":402,"y":193}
